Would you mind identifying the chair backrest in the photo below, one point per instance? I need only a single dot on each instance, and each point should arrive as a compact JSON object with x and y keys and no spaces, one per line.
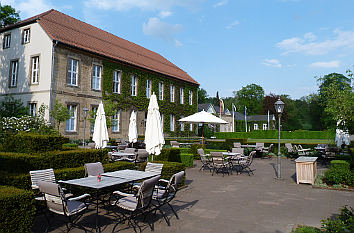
{"x":237,"y":144}
{"x":42,"y":175}
{"x":270,"y":147}
{"x":93,"y":169}
{"x":217,"y":157}
{"x":142,"y":155}
{"x":289,"y":147}
{"x":172,"y":185}
{"x":145,"y":192}
{"x":129,"y":150}
{"x":154,"y":167}
{"x":200,"y":151}
{"x":91,"y":145}
{"x":238,"y":150}
{"x":259,"y":145}
{"x":250,"y":158}
{"x":54,"y":196}
{"x":174,"y":143}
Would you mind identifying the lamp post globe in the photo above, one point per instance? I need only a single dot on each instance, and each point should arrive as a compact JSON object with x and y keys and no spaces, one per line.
{"x":279,"y":108}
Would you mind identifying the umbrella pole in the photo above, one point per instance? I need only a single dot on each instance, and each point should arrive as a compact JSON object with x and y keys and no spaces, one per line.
{"x":202,"y":133}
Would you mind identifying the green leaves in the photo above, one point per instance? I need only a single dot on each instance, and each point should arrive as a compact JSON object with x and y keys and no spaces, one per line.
{"x":8,"y":15}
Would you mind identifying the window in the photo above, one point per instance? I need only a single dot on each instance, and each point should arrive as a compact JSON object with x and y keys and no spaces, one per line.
{"x":190,"y":127}
{"x":32,"y":109}
{"x":172,"y":93}
{"x":160,"y":90}
{"x":190,"y":97}
{"x":71,"y":123}
{"x":7,"y":41}
{"x":162,"y":121}
{"x":93,"y":116}
{"x":182,"y":125}
{"x":117,"y":77}
{"x":255,"y":126}
{"x":26,"y":36}
{"x":181,"y":95}
{"x":148,"y":88}
{"x":34,"y":69}
{"x":73,"y":70}
{"x":172,"y":123}
{"x":134,"y":85}
{"x":115,"y":121}
{"x":96,"y":77}
{"x":265,"y":126}
{"x":13,"y":73}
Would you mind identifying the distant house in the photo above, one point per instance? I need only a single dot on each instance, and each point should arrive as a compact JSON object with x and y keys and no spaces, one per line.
{"x":254,"y":122}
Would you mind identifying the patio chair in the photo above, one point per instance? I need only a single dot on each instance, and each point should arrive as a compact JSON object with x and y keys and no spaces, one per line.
{"x":150,"y":167}
{"x":174,"y":144}
{"x":266,"y":151}
{"x":93,"y":169}
{"x":306,"y":151}
{"x":131,"y":206}
{"x":245,"y":165}
{"x":219,"y":163}
{"x":290,"y":148}
{"x":163,"y":195}
{"x":237,"y":144}
{"x":142,"y":156}
{"x":259,"y":146}
{"x":206,"y":162}
{"x":129,"y":150}
{"x":91,"y":145}
{"x":71,"y":208}
{"x":238,"y":150}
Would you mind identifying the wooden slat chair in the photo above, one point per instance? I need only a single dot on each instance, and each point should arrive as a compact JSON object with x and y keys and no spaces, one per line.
{"x":174,"y":144}
{"x":266,"y":151}
{"x":219,"y":163}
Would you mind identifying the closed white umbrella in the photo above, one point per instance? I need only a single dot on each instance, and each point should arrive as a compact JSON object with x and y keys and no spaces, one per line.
{"x":100,"y":132}
{"x":203,"y":117}
{"x":133,"y":132}
{"x":154,"y":139}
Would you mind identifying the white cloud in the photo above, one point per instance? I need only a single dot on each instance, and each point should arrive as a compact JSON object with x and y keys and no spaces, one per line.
{"x":178,"y":43}
{"x":272,"y":63}
{"x":322,"y":64}
{"x":308,"y":44}
{"x":29,"y":8}
{"x":221,"y":3}
{"x":233,"y":24}
{"x":164,"y":14}
{"x":152,"y":5}
{"x":162,"y":30}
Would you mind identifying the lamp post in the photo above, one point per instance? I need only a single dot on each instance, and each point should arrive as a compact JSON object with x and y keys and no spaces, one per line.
{"x":279,"y":107}
{"x":85,"y":110}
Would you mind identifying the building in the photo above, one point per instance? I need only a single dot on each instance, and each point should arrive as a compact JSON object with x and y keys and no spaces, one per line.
{"x":254,"y":122}
{"x":53,"y":57}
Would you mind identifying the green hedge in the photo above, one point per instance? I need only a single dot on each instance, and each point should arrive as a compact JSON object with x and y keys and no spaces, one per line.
{"x":170,"y":154}
{"x":17,"y":210}
{"x":348,"y":158}
{"x":273,"y":134}
{"x":187,"y":160}
{"x":21,"y":163}
{"x":340,"y":164}
{"x":32,"y":143}
{"x":194,"y":150}
{"x":339,"y":173}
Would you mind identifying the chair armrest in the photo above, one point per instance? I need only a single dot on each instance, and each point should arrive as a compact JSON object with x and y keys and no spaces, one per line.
{"x":124,"y":194}
{"x":83,"y":196}
{"x":163,"y":180}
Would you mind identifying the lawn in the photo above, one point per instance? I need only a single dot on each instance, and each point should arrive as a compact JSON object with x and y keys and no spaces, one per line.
{"x":295,"y":141}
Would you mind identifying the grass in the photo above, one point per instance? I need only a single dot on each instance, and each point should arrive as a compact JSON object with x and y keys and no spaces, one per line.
{"x":296,"y":141}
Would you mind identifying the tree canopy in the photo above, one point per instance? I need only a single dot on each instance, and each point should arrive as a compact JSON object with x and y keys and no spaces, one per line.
{"x":250,"y":96}
{"x":8,"y":15}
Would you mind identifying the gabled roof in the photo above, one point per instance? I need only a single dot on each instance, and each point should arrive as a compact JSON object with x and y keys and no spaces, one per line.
{"x":204,"y":107}
{"x":73,"y":32}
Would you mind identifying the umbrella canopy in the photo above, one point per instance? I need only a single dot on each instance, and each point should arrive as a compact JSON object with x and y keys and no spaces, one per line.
{"x":133,"y":132}
{"x":100,"y":133}
{"x":154,"y":139}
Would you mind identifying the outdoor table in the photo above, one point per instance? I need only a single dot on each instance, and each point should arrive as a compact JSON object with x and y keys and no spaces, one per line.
{"x":248,"y":146}
{"x":122,"y":155}
{"x":306,"y":169}
{"x":108,"y":179}
{"x":185,"y":144}
{"x":112,"y":147}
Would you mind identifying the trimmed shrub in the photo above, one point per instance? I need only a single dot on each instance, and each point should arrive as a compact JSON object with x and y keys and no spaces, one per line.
{"x":340,"y":164}
{"x":194,"y":148}
{"x":339,"y":173}
{"x":17,"y":210}
{"x":70,"y":146}
{"x":170,"y":154}
{"x":32,"y":143}
{"x":187,"y":160}
{"x":307,"y":229}
{"x":21,"y":163}
{"x":343,"y":223}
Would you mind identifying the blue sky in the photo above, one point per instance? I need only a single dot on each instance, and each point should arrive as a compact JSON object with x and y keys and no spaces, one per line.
{"x":227,"y":44}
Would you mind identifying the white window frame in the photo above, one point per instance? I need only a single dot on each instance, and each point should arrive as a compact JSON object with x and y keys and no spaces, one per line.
{"x":148,"y":88}
{"x":96,"y":77}
{"x":35,"y":69}
{"x":190,"y":97}
{"x":255,"y":127}
{"x":26,"y":35}
{"x":265,"y":126}
{"x":7,"y":41}
{"x":32,"y":107}
{"x":13,"y":73}
{"x":181,"y":95}
{"x":71,"y":123}
{"x":182,"y":124}
{"x":116,"y":122}
{"x":134,"y":85}
{"x":161,"y":87}
{"x":172,"y":93}
{"x":191,"y":127}
{"x":117,"y":79}
{"x":172,"y":123}
{"x":73,"y":72}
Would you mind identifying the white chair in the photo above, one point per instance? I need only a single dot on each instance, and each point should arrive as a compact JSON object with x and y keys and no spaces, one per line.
{"x":93,"y":169}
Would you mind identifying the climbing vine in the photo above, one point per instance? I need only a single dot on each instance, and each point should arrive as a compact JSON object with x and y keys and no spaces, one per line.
{"x":125,"y":101}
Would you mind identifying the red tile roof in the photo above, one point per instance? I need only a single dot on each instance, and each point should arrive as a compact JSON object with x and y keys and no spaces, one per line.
{"x":74,"y":32}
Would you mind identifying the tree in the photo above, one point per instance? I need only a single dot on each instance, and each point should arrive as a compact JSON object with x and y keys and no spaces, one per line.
{"x":202,"y":96}
{"x":60,"y":113}
{"x":250,"y":96}
{"x":11,"y":107}
{"x":8,"y":15}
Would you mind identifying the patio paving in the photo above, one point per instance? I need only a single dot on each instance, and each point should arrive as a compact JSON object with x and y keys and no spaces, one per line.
{"x":241,"y":203}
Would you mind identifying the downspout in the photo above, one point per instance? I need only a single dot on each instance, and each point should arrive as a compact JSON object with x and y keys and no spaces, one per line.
{"x":51,"y":96}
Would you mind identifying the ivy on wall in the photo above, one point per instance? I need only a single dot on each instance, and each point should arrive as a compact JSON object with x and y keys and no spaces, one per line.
{"x":125,"y":101}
